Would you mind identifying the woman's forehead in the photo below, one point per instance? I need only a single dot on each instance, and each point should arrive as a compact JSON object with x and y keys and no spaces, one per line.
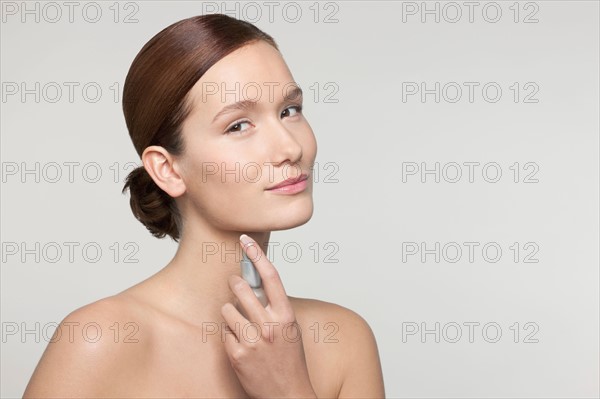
{"x":255,"y":72}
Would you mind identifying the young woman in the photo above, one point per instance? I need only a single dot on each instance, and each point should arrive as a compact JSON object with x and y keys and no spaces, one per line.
{"x":216,"y":117}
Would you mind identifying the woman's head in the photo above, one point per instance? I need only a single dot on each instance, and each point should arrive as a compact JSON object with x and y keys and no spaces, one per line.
{"x":214,"y":170}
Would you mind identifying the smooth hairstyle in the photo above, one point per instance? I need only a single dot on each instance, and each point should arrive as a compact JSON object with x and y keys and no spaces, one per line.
{"x":156,"y":102}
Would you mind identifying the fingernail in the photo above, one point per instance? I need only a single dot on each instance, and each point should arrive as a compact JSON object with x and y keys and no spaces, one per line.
{"x":245,"y":239}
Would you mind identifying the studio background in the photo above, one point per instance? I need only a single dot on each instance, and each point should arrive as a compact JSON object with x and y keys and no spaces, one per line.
{"x":362,"y":66}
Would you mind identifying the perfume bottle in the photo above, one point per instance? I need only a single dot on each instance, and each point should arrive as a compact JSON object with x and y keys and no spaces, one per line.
{"x":251,"y":275}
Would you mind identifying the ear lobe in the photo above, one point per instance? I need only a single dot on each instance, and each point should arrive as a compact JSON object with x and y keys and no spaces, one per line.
{"x":159,"y":165}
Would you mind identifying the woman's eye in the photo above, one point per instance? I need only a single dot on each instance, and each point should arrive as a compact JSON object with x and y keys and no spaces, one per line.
{"x":297,"y":107}
{"x":236,"y":127}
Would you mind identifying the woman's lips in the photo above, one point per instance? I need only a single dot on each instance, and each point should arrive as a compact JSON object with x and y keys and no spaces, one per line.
{"x":293,"y":188}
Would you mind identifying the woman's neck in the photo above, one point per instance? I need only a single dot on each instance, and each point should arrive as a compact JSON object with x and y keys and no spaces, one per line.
{"x":194,"y":285}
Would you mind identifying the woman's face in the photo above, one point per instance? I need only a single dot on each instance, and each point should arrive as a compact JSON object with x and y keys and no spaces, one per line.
{"x":233,"y":156}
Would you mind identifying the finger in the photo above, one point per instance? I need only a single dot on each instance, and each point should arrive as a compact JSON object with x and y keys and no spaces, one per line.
{"x":251,"y":306}
{"x":230,"y":340}
{"x":268,"y":274}
{"x":234,"y":321}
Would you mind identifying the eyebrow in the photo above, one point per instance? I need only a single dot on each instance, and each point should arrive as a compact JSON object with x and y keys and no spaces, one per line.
{"x":249,"y":104}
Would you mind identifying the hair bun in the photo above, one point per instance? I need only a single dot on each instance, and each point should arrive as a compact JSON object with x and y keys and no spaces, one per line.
{"x":153,"y":207}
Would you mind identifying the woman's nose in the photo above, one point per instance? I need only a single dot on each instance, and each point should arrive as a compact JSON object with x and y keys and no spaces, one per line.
{"x":285,"y":145}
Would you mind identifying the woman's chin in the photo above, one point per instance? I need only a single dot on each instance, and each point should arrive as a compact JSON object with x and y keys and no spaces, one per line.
{"x":290,"y":217}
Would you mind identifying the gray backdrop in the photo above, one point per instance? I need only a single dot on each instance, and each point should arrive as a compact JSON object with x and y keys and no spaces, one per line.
{"x":456,"y":184}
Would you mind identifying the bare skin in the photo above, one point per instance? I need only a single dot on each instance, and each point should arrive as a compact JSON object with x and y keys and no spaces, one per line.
{"x":162,"y":355}
{"x":177,"y":343}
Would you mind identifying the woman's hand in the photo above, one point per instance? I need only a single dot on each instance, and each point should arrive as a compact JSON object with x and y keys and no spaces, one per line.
{"x":267,"y":351}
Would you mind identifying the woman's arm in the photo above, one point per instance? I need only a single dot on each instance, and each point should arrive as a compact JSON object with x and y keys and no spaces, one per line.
{"x":346,"y":351}
{"x":363,"y":377}
{"x":78,"y":362}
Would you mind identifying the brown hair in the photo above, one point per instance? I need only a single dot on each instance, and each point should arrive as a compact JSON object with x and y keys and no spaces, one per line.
{"x":155,"y":101}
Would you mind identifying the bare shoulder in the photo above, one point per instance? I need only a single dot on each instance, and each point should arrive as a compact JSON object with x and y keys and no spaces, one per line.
{"x":356,"y":351}
{"x":350,"y":323}
{"x":94,"y":344}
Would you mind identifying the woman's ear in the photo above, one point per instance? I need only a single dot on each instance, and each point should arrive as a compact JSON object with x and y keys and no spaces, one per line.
{"x":159,"y":165}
